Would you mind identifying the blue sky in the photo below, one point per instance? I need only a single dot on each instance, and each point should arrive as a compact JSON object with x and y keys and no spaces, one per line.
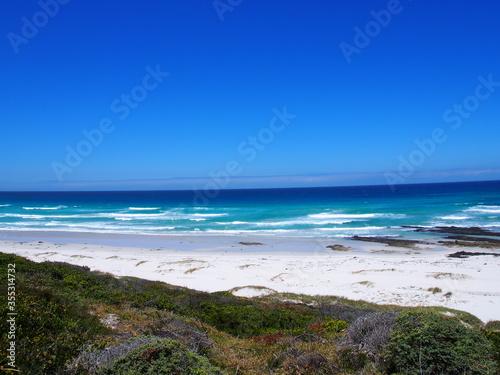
{"x":180,"y":94}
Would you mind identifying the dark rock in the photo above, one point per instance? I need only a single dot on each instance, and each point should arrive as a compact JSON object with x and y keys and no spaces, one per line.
{"x":466,"y":254}
{"x":337,"y":247}
{"x":411,"y":244}
{"x":469,"y":241}
{"x":472,"y":231}
{"x":471,"y":238}
{"x":472,"y":243}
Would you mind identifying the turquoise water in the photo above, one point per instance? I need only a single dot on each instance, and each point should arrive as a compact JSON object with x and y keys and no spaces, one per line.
{"x":304,"y":212}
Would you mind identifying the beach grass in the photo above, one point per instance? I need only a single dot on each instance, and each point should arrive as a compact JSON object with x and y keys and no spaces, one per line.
{"x":435,"y":290}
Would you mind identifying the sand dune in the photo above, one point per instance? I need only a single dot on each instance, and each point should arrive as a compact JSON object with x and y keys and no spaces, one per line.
{"x":370,"y":272}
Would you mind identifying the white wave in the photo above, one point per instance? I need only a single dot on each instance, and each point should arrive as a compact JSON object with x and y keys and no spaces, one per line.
{"x":52,"y":224}
{"x":20,"y":216}
{"x":209,"y":215}
{"x":303,"y":221}
{"x":330,"y":215}
{"x":44,"y":208}
{"x":119,"y":228}
{"x":144,"y":208}
{"x":123,"y":216}
{"x":43,"y":217}
{"x":454,"y":217}
{"x":235,"y":231}
{"x":64,"y":229}
{"x":37,"y":217}
{"x":22,"y":224}
{"x":93,"y":225}
{"x":485,"y":209}
{"x":463,"y":223}
{"x":352,"y":229}
{"x":5,"y":205}
{"x":119,"y":216}
{"x":328,"y":218}
{"x":88,"y":216}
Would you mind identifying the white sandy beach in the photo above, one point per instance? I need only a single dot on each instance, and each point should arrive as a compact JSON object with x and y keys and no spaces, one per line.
{"x":371,"y":272}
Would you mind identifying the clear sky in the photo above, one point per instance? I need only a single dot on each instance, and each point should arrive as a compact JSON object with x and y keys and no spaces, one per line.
{"x":176,"y":94}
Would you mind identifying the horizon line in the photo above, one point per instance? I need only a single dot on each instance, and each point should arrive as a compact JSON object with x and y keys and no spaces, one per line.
{"x":253,"y":188}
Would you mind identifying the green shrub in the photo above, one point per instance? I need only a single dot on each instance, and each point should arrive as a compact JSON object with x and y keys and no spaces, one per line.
{"x":335,"y":325}
{"x":50,"y":329}
{"x":353,"y":359}
{"x":429,"y":343}
{"x":250,"y":320}
{"x":330,"y":328}
{"x":493,"y":325}
{"x":165,"y":357}
{"x":494,"y":337}
{"x":234,"y":319}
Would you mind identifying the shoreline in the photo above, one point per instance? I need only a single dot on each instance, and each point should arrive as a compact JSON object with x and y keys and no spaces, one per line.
{"x":277,"y":242}
{"x":368,"y":271}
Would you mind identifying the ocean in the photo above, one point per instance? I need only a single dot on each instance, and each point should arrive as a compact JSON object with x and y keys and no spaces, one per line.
{"x":329,"y":212}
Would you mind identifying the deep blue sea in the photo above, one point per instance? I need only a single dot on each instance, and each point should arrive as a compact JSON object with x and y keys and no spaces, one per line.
{"x":297,"y":212}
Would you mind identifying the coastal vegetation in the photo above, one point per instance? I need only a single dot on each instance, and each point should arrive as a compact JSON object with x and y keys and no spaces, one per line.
{"x":72,"y":321}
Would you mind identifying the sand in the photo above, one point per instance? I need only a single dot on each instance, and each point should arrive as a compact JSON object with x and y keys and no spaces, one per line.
{"x":370,"y":272}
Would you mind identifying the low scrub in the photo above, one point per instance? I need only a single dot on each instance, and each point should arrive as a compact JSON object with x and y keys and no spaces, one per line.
{"x":427,"y":343}
{"x":160,"y":328}
{"x":51,"y":325}
{"x":165,"y":357}
{"x":92,"y":360}
{"x":494,"y":337}
{"x":366,"y":340}
{"x":248,"y":320}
